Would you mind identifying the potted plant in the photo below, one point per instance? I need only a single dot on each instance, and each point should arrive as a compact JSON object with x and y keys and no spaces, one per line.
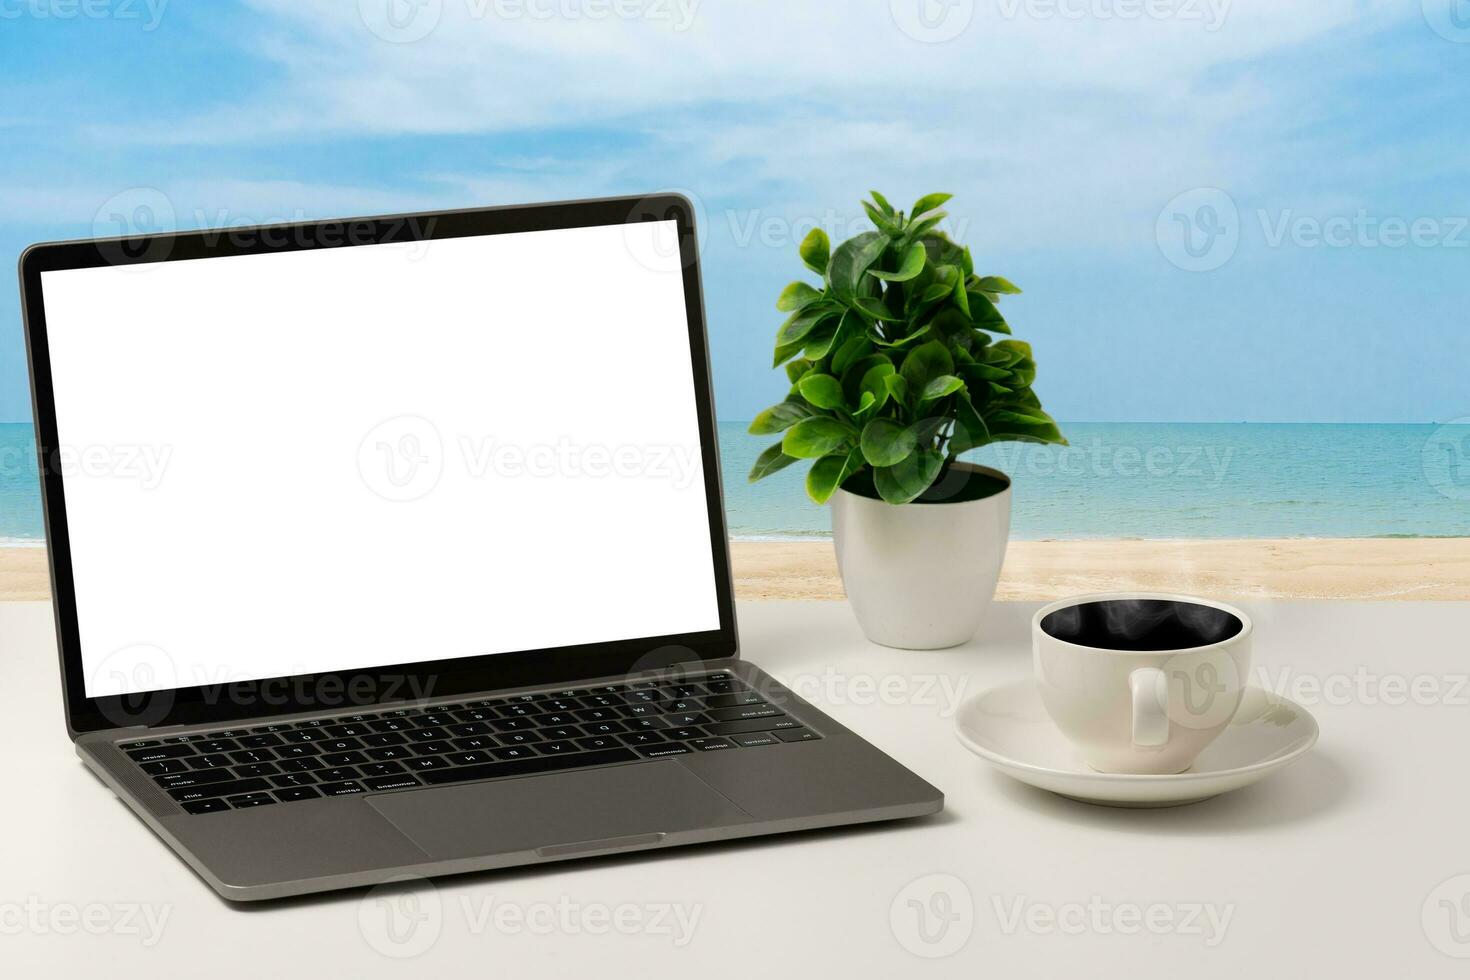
{"x":899,"y":362}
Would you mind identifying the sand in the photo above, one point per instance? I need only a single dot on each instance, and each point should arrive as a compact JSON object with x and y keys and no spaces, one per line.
{"x":1314,"y":568}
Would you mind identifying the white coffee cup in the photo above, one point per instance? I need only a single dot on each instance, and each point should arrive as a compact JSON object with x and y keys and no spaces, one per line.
{"x":1141,"y":682}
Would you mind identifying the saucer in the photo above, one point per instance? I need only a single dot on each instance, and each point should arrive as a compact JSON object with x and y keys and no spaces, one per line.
{"x":1008,"y":727}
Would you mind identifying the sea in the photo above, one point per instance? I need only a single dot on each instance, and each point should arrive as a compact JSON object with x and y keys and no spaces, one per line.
{"x":1114,"y":481}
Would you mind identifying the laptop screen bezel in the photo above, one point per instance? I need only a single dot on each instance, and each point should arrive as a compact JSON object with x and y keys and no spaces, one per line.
{"x":357,"y":690}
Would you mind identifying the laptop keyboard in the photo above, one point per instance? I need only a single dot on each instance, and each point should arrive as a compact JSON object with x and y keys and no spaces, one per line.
{"x":491,"y":738}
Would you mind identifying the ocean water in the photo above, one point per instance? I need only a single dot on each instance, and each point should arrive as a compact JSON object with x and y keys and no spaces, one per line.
{"x":1116,"y":480}
{"x":1167,"y":480}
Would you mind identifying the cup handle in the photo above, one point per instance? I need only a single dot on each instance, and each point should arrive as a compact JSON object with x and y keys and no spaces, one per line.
{"x":1150,"y":688}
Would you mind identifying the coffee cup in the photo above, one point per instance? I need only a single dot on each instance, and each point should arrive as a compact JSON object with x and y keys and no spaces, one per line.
{"x":1141,"y":682}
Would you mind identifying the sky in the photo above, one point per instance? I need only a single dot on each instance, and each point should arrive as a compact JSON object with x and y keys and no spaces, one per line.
{"x":1219,"y":210}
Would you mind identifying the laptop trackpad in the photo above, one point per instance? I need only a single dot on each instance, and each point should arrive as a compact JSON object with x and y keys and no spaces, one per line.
{"x":559,"y":811}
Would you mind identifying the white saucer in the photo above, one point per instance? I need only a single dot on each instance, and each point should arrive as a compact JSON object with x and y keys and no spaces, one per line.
{"x":1008,"y":727}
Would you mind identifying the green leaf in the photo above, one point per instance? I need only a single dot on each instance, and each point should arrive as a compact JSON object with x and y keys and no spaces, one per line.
{"x":886,"y":442}
{"x":875,"y":309}
{"x":785,"y":352}
{"x":925,"y":363}
{"x":985,"y":314}
{"x":1023,"y":373}
{"x":882,"y":202}
{"x":797,"y":296}
{"x":796,"y":369}
{"x":900,"y":341}
{"x":827,"y":474}
{"x":961,"y":298}
{"x":997,"y":284}
{"x":884,"y":222}
{"x":967,"y":262}
{"x":970,"y":430}
{"x":778,"y":418}
{"x":912,"y":265}
{"x":1016,"y":346}
{"x":852,"y":350}
{"x":940,"y":387}
{"x":798,"y":325}
{"x":1033,"y":425}
{"x":822,"y":390}
{"x":816,"y":251}
{"x":984,"y":372}
{"x":898,"y":388}
{"x":873,"y":377}
{"x":768,"y":462}
{"x":868,"y":404}
{"x":903,"y":482}
{"x":851,"y":262}
{"x":928,"y":203}
{"x":819,"y":342}
{"x":815,"y":437}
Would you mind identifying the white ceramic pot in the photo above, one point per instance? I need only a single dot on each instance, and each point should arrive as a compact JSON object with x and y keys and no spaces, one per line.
{"x":921,"y":576}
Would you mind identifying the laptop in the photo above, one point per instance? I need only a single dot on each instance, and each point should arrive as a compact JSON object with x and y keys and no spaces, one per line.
{"x":395,"y":546}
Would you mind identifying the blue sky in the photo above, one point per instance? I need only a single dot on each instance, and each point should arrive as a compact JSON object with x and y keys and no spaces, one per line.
{"x":1220,"y":211}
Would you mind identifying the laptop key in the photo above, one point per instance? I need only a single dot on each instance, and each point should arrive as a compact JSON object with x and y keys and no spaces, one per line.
{"x":711,"y":744}
{"x":426,"y":762}
{"x":380,"y":768}
{"x":301,"y":765}
{"x":754,"y":739}
{"x":380,"y":739}
{"x":201,"y":778}
{"x":751,"y":725}
{"x":344,"y":758}
{"x":391,"y":725}
{"x":797,"y":735}
{"x":400,"y":781}
{"x":206,"y":806}
{"x":518,"y":738}
{"x":387,"y":752}
{"x":560,"y":734}
{"x":253,"y":756}
{"x":250,"y":800}
{"x":467,"y":758}
{"x":336,"y":774}
{"x":292,"y":779}
{"x":557,"y":748}
{"x":164,"y":766}
{"x":684,"y":720}
{"x":264,"y":740}
{"x":304,"y":735}
{"x":228,"y":788}
{"x":742,"y":712}
{"x":641,"y":738}
{"x":210,"y":762}
{"x":341,"y":789}
{"x":683,"y":734}
{"x":216,"y":745}
{"x":597,"y":742}
{"x":432,"y":748}
{"x":431,"y":734}
{"x":147,"y":743}
{"x":257,"y":769}
{"x":159,"y":752}
{"x":294,"y":793}
{"x":475,"y":742}
{"x":339,"y":745}
{"x":470,"y":728}
{"x":511,"y":752}
{"x":530,"y":765}
{"x":605,"y":728}
{"x":667,"y":748}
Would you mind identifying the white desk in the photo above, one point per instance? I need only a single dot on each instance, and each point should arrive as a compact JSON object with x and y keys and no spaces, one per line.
{"x":1324,"y":870}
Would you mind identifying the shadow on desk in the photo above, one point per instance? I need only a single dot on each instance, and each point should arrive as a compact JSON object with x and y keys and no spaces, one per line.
{"x":1310,"y":789}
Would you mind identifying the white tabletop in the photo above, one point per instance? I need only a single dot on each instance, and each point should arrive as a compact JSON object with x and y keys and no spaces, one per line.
{"x":1345,"y":865}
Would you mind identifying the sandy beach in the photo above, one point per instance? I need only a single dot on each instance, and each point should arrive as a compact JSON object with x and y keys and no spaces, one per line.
{"x":1314,"y":568}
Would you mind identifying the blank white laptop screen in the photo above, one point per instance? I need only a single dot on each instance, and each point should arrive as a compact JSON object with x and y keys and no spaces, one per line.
{"x":339,"y":459}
